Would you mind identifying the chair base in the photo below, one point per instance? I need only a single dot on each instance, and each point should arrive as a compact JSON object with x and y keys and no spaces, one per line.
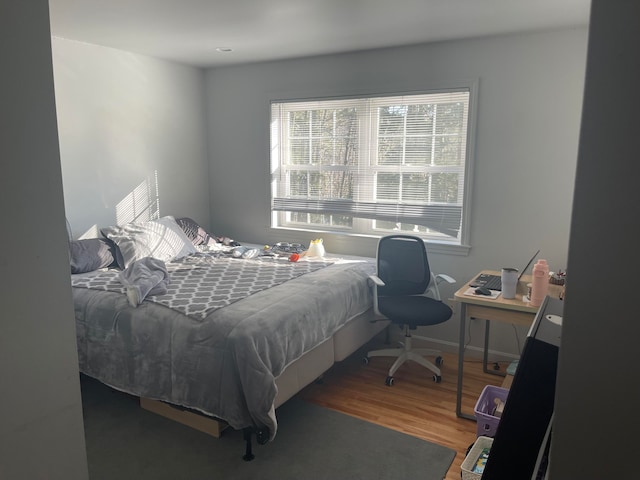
{"x":407,"y":353}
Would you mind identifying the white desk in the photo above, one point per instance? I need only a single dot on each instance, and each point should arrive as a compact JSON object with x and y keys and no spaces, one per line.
{"x":514,"y":311}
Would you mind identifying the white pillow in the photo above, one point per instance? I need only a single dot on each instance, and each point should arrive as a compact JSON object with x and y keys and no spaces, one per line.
{"x":162,"y":239}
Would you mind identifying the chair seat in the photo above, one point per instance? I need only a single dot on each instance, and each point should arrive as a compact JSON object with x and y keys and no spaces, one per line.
{"x":414,"y":311}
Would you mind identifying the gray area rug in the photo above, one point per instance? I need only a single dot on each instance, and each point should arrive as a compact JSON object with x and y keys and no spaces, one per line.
{"x":126,"y":442}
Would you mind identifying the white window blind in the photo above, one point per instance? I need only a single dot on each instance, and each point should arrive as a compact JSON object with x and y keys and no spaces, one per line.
{"x":372,"y":165}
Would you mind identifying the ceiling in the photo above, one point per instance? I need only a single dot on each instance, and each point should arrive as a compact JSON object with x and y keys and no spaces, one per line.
{"x":191,"y":31}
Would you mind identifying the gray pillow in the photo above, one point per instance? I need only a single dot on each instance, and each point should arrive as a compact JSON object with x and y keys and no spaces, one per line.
{"x":162,"y":239}
{"x":91,"y":254}
{"x":197,"y":234}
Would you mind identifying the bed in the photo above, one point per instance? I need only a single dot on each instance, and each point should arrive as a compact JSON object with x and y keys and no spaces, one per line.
{"x":229,"y":338}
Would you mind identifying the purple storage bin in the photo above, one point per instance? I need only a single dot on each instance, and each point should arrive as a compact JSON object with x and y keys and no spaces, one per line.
{"x":488,"y":423}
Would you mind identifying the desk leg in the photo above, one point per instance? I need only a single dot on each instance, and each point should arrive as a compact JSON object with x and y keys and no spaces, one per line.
{"x":463,"y":318}
{"x":485,"y":357}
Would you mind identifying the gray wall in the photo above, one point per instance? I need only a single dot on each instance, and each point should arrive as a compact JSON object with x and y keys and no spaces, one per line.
{"x":528,"y":117}
{"x":41,"y":429}
{"x":123,"y":117}
{"x":596,"y":426}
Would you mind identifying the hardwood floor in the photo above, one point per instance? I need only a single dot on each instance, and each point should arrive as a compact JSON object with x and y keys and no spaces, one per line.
{"x":415,"y":404}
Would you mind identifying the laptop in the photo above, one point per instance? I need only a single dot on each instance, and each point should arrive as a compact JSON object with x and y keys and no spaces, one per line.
{"x":494,"y":282}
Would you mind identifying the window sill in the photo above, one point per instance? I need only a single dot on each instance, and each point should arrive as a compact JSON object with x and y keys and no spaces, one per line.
{"x":433,"y":246}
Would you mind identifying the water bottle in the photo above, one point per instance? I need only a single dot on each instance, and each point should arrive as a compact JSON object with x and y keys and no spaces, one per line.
{"x":539,"y":283}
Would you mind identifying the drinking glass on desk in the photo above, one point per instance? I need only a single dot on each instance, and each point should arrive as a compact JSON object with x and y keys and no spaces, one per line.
{"x":509,"y":277}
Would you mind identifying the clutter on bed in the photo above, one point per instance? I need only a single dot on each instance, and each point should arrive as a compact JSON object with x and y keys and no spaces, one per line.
{"x":245,"y":252}
{"x":147,"y":276}
{"x":199,"y":236}
{"x":316,"y":248}
{"x":284,"y":248}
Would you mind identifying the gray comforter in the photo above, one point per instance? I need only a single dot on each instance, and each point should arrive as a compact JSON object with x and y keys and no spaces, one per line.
{"x":225,"y":363}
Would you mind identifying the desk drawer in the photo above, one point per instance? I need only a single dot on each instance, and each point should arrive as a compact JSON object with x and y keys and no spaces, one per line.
{"x":500,"y":315}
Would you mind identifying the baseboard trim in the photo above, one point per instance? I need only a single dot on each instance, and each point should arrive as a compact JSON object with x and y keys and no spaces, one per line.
{"x":475,"y":352}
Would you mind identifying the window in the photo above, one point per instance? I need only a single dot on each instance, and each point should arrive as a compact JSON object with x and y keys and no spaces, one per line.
{"x":372,"y":165}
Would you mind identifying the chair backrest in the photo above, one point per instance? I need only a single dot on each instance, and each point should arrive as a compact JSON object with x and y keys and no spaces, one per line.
{"x":402,"y":265}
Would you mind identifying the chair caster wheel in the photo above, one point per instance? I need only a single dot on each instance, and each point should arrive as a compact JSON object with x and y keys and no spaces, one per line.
{"x":365,"y":360}
{"x":389,"y":381}
{"x":437,"y":378}
{"x":439,"y":361}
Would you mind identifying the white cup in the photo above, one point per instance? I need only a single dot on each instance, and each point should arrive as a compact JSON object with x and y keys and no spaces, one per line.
{"x":509,"y":278}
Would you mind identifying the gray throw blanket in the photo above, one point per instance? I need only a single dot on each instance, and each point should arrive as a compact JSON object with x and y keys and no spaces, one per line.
{"x":147,"y":276}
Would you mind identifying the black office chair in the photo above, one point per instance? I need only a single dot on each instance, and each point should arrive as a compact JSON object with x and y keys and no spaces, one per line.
{"x":400,"y":291}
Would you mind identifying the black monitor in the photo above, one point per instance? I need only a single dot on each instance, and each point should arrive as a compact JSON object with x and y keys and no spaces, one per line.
{"x":521,"y":437}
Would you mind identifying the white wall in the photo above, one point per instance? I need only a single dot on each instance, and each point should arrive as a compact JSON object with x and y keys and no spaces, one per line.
{"x":596,"y":424}
{"x":41,"y":429}
{"x":123,"y":117}
{"x":529,"y":106}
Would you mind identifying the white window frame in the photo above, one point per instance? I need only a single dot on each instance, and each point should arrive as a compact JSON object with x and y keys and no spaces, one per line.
{"x":362,"y":226}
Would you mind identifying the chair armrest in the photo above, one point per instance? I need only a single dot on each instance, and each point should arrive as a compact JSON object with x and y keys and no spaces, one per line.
{"x":446,"y":278}
{"x":435,"y":281}
{"x":375,"y":283}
